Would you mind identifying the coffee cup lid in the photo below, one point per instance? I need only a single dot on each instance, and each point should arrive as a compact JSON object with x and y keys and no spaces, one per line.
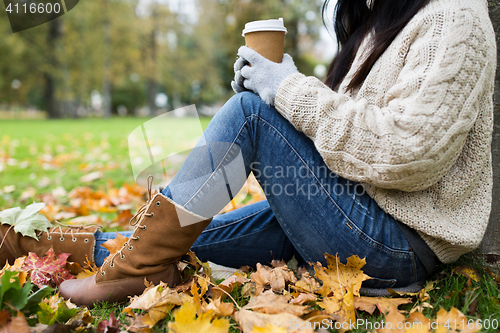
{"x":264,"y":25}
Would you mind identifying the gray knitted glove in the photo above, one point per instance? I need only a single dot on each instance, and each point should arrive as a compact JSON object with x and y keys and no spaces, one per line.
{"x":237,"y":84}
{"x":263,"y":76}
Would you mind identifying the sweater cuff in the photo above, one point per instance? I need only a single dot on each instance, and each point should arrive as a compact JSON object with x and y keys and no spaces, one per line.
{"x":288,"y":91}
{"x":297,"y":101}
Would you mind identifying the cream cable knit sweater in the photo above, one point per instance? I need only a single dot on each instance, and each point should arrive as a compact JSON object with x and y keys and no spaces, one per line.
{"x":418,"y":131}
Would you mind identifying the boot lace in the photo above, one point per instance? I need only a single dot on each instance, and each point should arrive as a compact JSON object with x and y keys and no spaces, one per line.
{"x":141,"y":213}
{"x":70,"y":230}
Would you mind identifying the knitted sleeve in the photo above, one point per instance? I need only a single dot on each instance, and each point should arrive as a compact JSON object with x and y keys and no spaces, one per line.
{"x":413,"y":138}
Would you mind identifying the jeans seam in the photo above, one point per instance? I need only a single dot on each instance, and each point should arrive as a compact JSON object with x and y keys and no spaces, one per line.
{"x":236,"y":221}
{"x":414,"y":265}
{"x":382,"y":247}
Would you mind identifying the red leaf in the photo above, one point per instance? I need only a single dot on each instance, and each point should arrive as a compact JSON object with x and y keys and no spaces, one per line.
{"x":108,"y":326}
{"x":48,"y":270}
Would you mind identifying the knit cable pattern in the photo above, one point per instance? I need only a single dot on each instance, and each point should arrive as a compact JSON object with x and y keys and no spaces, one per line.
{"x":418,"y":131}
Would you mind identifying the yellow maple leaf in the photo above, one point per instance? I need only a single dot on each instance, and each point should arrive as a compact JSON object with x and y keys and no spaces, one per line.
{"x":337,"y":277}
{"x":186,"y":321}
{"x":18,"y":264}
{"x":467,"y":272}
{"x":85,"y":273}
{"x":369,"y":304}
{"x":340,"y":305}
{"x":158,"y":301}
{"x":455,"y":321}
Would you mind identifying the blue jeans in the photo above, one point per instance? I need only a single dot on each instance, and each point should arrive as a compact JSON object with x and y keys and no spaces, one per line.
{"x":309,"y":210}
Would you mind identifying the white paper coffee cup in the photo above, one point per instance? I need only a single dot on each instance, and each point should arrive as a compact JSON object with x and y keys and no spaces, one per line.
{"x":266,"y":37}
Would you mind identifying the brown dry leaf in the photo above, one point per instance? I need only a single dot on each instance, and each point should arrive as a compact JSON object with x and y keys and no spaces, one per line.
{"x":303,"y":298}
{"x":278,"y":263}
{"x":114,"y":245}
{"x":318,"y":318}
{"x":393,"y":321}
{"x":197,"y":299}
{"x":270,"y":303}
{"x":306,"y":284}
{"x":203,"y":283}
{"x":467,"y":272}
{"x":419,"y":323}
{"x":219,"y":308}
{"x":5,"y":317}
{"x":420,"y":307}
{"x":454,"y":322}
{"x":369,"y":304}
{"x":248,"y":320}
{"x":337,"y":277}
{"x":275,"y":277}
{"x":17,"y":324}
{"x":248,"y":290}
{"x":74,"y":268}
{"x":228,"y":285}
{"x":158,"y":301}
{"x":90,"y":266}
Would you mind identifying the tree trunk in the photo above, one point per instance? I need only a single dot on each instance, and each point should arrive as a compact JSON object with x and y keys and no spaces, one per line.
{"x":106,"y":84}
{"x":491,"y":242}
{"x":152,"y":83}
{"x":53,"y":36}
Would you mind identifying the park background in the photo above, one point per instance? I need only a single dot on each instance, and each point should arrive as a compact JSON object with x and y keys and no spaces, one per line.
{"x":143,"y":57}
{"x":73,"y":89}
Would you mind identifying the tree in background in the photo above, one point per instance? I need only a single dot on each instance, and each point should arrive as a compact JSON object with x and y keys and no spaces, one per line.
{"x":128,"y":51}
{"x":491,"y":242}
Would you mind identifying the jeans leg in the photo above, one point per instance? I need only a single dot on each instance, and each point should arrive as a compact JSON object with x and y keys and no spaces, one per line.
{"x":317,"y":210}
{"x":249,"y":235}
{"x":100,"y":252}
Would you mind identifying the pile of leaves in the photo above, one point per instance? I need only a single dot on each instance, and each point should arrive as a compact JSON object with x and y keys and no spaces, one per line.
{"x":213,"y":298}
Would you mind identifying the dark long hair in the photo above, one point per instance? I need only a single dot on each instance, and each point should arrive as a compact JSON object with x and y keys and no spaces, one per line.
{"x":353,"y":20}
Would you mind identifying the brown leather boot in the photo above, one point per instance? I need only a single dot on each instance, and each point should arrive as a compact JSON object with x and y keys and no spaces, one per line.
{"x":151,"y":253}
{"x":77,"y":240}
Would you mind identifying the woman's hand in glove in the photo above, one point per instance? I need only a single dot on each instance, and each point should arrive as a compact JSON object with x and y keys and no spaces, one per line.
{"x":263,"y":76}
{"x":237,"y":84}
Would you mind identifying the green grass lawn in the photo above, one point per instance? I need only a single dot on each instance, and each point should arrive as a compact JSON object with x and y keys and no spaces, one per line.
{"x":45,"y":154}
{"x":42,"y":155}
